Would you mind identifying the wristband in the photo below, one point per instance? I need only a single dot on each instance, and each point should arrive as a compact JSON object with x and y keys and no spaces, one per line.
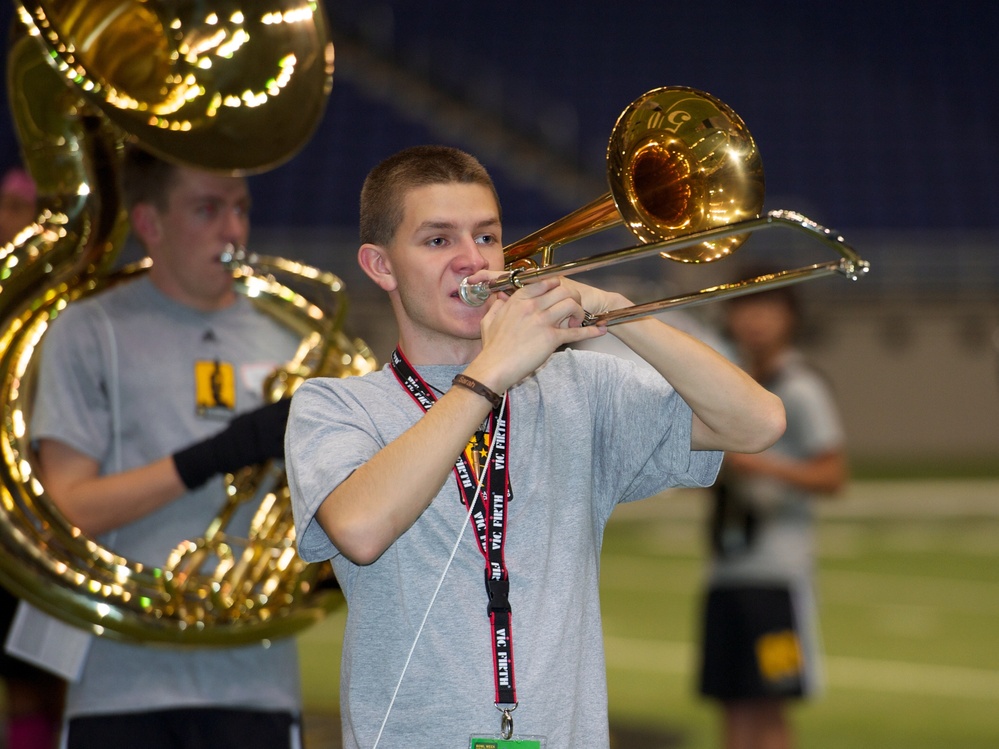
{"x":477,"y":387}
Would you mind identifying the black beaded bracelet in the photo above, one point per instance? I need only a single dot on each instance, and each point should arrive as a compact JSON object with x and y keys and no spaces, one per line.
{"x":477,"y":387}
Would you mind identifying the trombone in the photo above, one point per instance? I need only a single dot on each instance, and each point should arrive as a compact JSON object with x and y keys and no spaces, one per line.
{"x":686,"y":178}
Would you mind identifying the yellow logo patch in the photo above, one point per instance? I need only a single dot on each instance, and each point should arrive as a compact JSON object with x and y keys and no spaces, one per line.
{"x":215,"y":387}
{"x":477,"y":451}
{"x":779,"y":655}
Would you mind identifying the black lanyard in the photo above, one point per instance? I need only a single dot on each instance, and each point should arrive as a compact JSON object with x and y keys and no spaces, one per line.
{"x":488,"y":516}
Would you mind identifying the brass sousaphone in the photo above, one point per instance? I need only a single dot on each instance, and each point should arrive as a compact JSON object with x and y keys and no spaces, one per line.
{"x":232,"y":86}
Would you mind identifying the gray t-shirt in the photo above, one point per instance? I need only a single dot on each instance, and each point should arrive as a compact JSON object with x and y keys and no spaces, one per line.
{"x":782,"y":548}
{"x":122,"y":374}
{"x":586,"y":432}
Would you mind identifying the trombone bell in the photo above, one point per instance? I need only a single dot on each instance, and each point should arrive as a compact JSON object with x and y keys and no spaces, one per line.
{"x":680,"y":161}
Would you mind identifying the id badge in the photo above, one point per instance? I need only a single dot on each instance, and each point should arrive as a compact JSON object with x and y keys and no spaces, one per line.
{"x":517,"y":742}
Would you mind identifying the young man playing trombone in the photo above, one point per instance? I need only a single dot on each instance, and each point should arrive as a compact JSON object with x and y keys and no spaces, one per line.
{"x":462,"y":491}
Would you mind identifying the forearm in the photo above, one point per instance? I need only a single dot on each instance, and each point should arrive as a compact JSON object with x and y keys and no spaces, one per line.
{"x":379,"y":501}
{"x":731,"y":410}
{"x":824,"y":474}
{"x":96,"y":503}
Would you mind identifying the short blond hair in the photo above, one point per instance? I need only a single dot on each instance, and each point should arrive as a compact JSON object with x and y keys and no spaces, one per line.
{"x":386,"y":185}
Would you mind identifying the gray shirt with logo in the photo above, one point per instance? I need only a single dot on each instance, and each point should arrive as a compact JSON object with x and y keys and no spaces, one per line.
{"x":586,"y":432}
{"x":122,"y":377}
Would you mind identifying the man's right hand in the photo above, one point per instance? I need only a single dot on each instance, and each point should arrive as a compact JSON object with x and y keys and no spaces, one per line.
{"x":521,"y":330}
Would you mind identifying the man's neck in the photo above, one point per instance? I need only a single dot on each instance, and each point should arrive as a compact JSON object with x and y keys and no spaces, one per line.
{"x":450,"y":351}
{"x":199,"y":304}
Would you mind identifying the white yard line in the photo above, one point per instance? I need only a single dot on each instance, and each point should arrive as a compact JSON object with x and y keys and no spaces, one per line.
{"x":917,"y":498}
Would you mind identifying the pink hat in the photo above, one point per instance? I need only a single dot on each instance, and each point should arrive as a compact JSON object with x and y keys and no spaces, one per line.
{"x":18,"y":182}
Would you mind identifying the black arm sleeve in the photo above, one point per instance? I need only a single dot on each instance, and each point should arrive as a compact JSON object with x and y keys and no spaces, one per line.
{"x":250,"y":438}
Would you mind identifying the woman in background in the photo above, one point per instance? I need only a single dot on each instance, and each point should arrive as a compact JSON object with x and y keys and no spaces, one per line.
{"x":760,"y":644}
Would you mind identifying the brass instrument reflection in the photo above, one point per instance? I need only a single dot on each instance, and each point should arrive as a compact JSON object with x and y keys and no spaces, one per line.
{"x":234,"y":87}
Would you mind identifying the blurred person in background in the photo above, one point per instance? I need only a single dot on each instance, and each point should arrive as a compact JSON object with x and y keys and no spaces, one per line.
{"x":148,"y":393}
{"x":760,"y":645}
{"x":33,"y":697}
{"x":17,"y":203}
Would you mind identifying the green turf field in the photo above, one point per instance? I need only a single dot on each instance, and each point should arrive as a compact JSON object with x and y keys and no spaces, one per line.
{"x":909,"y":605}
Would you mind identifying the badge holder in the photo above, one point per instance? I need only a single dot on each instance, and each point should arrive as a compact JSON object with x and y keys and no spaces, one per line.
{"x":514,"y":742}
{"x":507,"y":740}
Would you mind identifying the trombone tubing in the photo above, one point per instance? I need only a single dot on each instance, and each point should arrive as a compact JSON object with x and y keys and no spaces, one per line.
{"x":725,"y":291}
{"x":851,"y":266}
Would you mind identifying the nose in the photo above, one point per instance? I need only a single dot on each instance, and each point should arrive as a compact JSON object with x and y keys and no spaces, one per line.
{"x":469,"y":258}
{"x":235,"y":225}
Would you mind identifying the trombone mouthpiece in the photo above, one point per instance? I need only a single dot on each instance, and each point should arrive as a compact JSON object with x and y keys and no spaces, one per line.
{"x":473,"y":294}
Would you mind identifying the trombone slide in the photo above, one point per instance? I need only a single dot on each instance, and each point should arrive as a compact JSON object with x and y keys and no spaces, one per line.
{"x":851,"y":266}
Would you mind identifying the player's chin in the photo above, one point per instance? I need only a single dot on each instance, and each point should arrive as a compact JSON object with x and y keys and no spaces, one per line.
{"x":468,"y":327}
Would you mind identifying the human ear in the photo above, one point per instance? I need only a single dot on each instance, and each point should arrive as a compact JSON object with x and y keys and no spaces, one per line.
{"x":374,"y":261}
{"x":145,"y":223}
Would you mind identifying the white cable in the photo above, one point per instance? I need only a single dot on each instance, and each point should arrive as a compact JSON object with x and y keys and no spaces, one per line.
{"x":433,"y":598}
{"x":114,"y":385}
{"x":114,"y":388}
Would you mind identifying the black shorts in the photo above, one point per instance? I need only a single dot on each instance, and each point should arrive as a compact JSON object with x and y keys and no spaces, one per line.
{"x":751,"y":646}
{"x":188,"y":728}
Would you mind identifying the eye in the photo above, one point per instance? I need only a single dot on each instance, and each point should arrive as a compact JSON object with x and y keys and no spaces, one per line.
{"x":486,"y":239}
{"x":436,"y":242}
{"x":207,"y":210}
